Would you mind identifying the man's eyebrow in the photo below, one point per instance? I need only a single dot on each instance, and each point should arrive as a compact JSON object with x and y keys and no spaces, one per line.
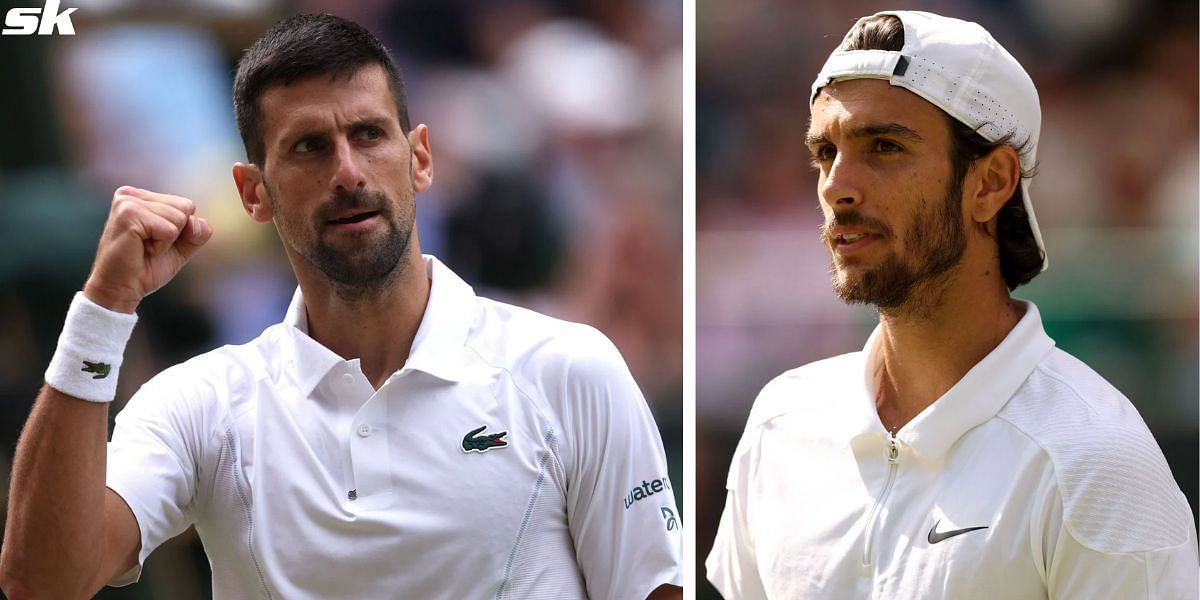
{"x":814,"y":139}
{"x":368,"y":121}
{"x":869,"y":130}
{"x":305,"y":129}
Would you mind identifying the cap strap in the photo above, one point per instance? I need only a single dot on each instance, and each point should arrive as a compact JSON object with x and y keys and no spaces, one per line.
{"x":859,"y":64}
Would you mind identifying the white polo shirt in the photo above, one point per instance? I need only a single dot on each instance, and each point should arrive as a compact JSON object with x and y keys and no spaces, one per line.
{"x":512,"y":457}
{"x":1031,"y":478}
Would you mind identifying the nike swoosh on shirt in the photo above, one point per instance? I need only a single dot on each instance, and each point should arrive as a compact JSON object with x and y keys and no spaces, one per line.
{"x":936,"y":536}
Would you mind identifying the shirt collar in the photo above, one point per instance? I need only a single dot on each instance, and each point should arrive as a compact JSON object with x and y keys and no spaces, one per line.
{"x":438,"y":348}
{"x":311,"y":361}
{"x":440,"y":345}
{"x":975,"y":398}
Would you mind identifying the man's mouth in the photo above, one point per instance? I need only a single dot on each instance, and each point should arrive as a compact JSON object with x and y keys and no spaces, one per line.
{"x":854,"y":237}
{"x":845,"y":244}
{"x":354,"y":218}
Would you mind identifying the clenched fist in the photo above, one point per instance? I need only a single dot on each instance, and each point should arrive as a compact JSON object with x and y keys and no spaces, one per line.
{"x":146,"y":241}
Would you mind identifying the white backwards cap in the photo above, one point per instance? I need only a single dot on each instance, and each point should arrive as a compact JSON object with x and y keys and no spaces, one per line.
{"x":960,"y":68}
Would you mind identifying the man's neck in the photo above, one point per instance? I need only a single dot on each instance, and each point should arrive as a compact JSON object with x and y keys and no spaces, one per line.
{"x":925,"y":352}
{"x":377,"y":327}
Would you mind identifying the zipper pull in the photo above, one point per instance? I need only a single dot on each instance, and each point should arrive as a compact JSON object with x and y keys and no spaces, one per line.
{"x":893,"y":450}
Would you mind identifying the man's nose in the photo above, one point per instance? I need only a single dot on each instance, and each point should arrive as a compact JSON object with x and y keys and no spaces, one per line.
{"x":841,"y":185}
{"x":346,"y":175}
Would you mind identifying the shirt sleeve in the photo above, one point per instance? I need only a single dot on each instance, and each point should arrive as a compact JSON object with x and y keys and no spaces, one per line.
{"x":1077,"y":571}
{"x":1081,"y":573}
{"x":1103,"y":549}
{"x":621,"y":508}
{"x":152,"y":464}
{"x":732,"y":564}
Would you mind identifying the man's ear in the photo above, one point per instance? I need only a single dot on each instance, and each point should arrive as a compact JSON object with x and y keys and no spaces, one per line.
{"x":421,"y":169}
{"x":253,"y":192}
{"x":993,"y":180}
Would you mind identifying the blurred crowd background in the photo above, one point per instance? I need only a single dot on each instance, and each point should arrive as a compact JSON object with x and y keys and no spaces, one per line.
{"x":557,"y":141}
{"x":1116,"y":197}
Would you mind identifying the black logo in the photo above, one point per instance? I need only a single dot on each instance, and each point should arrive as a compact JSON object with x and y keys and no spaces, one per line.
{"x":669,"y":515}
{"x":100,"y":369}
{"x":473,"y":443}
{"x":647,"y":489}
{"x":936,"y":536}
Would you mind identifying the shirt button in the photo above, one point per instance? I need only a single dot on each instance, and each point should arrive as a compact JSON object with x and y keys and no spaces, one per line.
{"x":364,"y":430}
{"x":347,"y":379}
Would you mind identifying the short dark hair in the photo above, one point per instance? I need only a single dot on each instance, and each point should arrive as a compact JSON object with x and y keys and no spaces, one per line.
{"x":304,"y":46}
{"x":1020,"y":258}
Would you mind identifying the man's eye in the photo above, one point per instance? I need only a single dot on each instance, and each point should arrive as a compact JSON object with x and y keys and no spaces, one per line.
{"x":371,"y":133}
{"x":307,"y":145}
{"x":822,"y":155}
{"x":886,"y":147}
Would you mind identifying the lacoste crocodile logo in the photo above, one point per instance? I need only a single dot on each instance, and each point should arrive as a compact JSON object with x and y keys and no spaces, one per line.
{"x":100,"y":369}
{"x":479,"y":443}
{"x":936,"y":536}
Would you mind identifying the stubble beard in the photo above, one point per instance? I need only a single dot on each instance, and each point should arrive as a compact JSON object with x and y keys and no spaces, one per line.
{"x":912,"y":286}
{"x":374,"y":262}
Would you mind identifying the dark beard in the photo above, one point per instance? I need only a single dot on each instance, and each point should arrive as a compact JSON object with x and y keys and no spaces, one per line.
{"x":371,"y":267}
{"x":936,"y":243}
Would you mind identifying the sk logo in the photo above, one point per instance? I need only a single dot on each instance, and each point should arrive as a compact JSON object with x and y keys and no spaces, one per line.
{"x":473,"y":443}
{"x":100,"y":369}
{"x":669,"y":515}
{"x":42,"y":21}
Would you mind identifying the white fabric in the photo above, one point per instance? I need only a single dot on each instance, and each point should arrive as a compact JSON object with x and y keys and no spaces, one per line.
{"x":1074,"y":493}
{"x":91,"y":348}
{"x":960,"y":68}
{"x":260,"y":445}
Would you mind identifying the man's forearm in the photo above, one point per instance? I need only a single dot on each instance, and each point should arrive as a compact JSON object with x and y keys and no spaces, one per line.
{"x":66,"y":533}
{"x":55,"y":535}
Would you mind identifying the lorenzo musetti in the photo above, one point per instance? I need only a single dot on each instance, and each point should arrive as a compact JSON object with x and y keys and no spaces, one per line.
{"x":959,"y":454}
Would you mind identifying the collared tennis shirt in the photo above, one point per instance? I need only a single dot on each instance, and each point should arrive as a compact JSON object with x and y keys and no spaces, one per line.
{"x":512,"y":457}
{"x":1031,"y":477}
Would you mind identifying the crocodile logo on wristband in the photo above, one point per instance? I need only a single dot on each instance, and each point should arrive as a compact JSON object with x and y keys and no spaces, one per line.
{"x":100,"y":369}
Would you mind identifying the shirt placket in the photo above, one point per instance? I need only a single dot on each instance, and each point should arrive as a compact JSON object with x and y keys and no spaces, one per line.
{"x":370,"y":455}
{"x":879,"y":507}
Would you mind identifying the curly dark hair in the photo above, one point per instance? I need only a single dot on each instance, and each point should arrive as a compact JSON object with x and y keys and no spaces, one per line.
{"x":1020,"y":258}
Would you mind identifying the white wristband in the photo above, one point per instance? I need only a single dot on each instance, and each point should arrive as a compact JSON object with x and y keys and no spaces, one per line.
{"x":90,"y":350}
